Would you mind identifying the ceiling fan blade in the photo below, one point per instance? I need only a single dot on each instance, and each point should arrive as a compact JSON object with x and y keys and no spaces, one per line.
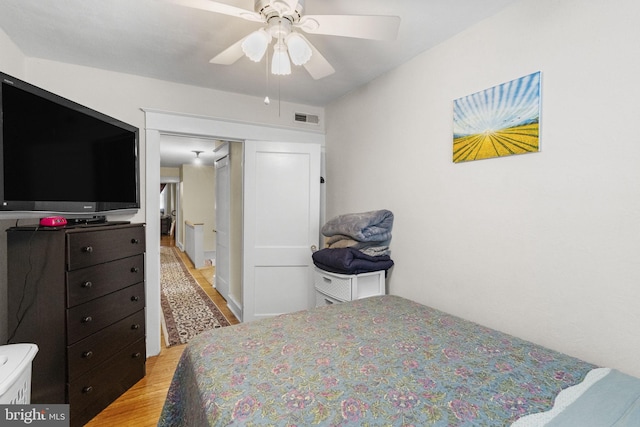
{"x":230,"y":54}
{"x":318,"y":67}
{"x":358,"y":26}
{"x":225,"y":9}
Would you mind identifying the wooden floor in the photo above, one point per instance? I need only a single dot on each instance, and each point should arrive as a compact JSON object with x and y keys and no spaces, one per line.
{"x":140,"y":406}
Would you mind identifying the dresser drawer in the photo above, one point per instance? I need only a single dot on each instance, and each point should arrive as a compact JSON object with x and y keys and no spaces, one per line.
{"x":334,"y":285}
{"x":92,"y":247}
{"x":90,"y":317}
{"x":322,"y":300}
{"x":95,"y":349}
{"x":92,"y":282}
{"x":345,"y":287}
{"x":92,"y":392}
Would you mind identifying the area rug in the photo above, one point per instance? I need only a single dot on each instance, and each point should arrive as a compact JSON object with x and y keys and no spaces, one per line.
{"x":187,"y":310}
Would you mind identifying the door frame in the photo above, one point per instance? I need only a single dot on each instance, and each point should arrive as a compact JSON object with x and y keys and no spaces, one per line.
{"x":175,"y":181}
{"x":221,"y":160}
{"x":159,"y":122}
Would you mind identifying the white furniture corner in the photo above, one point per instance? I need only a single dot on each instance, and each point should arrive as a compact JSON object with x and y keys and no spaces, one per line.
{"x":334,"y":288}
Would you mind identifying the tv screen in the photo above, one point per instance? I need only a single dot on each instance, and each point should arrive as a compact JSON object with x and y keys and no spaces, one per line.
{"x":59,"y":156}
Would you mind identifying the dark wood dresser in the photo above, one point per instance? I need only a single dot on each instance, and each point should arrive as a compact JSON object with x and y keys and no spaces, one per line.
{"x":165,"y":224}
{"x":78,"y":293}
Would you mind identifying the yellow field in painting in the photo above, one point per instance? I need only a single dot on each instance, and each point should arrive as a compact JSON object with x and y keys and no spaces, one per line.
{"x":504,"y":142}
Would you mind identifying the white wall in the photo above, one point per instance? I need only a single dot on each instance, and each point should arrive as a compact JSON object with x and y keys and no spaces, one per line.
{"x":199,"y":201}
{"x":545,"y":246}
{"x":123,"y":96}
{"x":11,"y":60}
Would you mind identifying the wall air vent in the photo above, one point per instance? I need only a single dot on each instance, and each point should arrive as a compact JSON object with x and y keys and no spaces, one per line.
{"x":307,"y":118}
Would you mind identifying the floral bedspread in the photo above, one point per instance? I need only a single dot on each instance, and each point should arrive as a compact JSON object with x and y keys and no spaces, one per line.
{"x":380,"y":361}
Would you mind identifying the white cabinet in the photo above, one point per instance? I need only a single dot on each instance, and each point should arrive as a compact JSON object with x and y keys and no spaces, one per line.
{"x":333,"y":287}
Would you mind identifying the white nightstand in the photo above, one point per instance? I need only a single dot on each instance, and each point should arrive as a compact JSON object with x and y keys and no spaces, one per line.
{"x":334,"y":288}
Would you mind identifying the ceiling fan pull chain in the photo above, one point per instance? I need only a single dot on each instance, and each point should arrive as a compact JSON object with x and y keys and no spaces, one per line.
{"x":267,"y":101}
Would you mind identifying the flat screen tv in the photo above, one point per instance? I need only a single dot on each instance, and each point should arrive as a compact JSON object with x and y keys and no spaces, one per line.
{"x":61,"y":157}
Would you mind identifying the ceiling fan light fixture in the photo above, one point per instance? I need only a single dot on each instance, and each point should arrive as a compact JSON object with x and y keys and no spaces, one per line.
{"x":299,"y":49}
{"x":280,"y":64}
{"x":285,"y":21}
{"x":255,"y":45}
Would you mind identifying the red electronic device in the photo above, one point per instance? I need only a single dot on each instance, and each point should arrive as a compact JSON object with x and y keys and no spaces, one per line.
{"x":53,"y":221}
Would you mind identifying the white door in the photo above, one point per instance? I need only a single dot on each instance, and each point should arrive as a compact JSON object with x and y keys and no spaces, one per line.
{"x":223,"y":208}
{"x":281,"y":225}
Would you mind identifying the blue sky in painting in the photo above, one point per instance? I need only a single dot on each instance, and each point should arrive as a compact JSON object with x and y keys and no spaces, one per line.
{"x":510,"y":104}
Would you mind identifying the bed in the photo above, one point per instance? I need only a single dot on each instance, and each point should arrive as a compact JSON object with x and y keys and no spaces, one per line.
{"x":386,"y":361}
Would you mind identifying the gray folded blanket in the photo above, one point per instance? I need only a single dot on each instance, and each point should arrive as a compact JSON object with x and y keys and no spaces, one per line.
{"x":370,"y":248}
{"x":373,"y":226}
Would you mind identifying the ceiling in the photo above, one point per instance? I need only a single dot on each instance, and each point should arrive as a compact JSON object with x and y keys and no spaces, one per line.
{"x":176,"y":151}
{"x":158,"y":39}
{"x":162,"y":40}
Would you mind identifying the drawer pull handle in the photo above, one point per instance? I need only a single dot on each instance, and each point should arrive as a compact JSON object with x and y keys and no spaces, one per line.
{"x":326,"y":280}
{"x":87,"y":284}
{"x":136,"y":326}
{"x":87,"y":389}
{"x":136,"y":355}
{"x":135,"y":269}
{"x":87,"y":354}
{"x":87,"y":249}
{"x":135,"y":298}
{"x":135,"y":241}
{"x":87,"y":319}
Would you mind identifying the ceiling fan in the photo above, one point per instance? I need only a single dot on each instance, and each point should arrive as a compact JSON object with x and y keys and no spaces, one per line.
{"x":281,"y":19}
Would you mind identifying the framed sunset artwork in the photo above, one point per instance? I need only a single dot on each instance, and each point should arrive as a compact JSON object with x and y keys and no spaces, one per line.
{"x":503,"y":120}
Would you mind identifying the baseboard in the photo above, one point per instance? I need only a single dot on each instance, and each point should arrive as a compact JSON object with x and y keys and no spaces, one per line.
{"x":235,"y":308}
